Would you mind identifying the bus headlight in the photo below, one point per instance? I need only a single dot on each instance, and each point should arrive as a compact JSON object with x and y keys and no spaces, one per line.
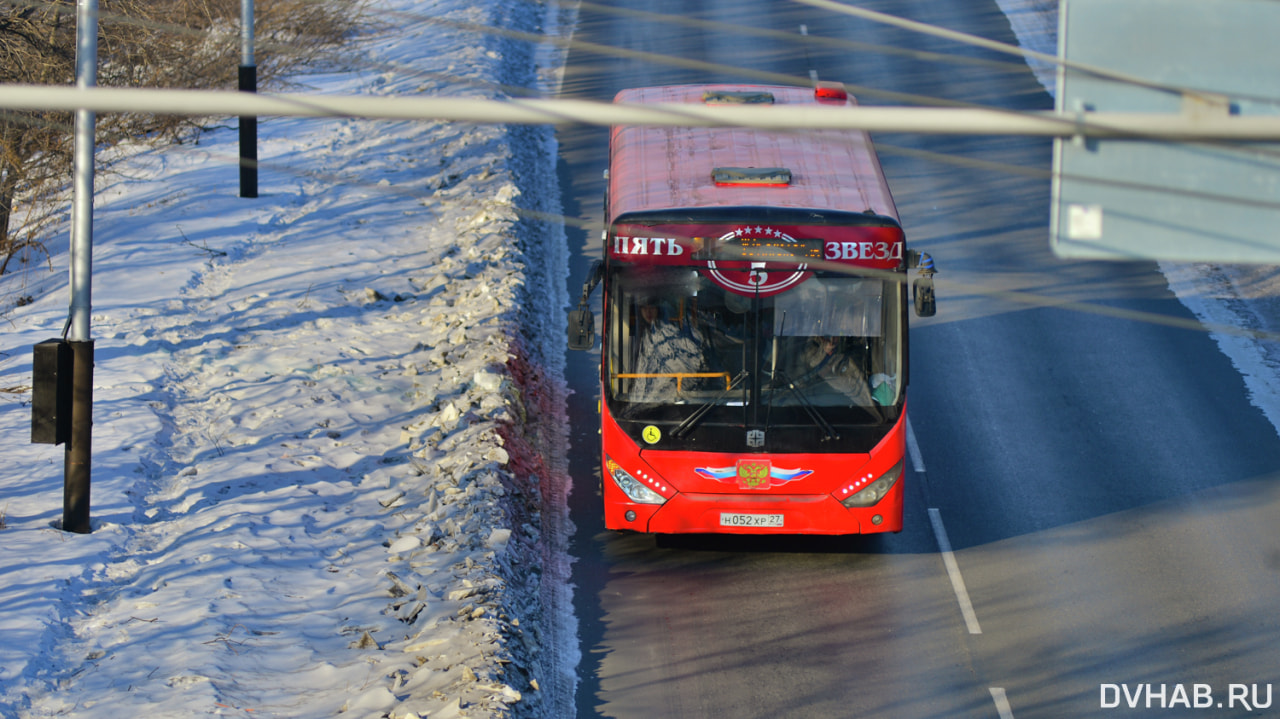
{"x":635,"y":490}
{"x":874,"y":490}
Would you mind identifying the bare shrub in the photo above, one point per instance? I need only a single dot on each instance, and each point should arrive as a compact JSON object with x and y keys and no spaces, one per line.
{"x":192,"y":44}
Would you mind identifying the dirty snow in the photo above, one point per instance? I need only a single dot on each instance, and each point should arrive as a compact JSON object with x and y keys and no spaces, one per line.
{"x":324,"y":420}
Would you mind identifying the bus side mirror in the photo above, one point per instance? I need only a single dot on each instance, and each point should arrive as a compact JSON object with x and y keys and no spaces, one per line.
{"x":922,"y":292}
{"x":582,"y":329}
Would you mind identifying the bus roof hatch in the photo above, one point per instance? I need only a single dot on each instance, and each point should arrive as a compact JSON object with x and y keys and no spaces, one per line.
{"x":766,"y":176}
{"x":737,"y":97}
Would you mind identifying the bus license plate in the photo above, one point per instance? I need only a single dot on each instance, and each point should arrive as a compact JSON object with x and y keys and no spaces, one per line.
{"x":741,"y":519}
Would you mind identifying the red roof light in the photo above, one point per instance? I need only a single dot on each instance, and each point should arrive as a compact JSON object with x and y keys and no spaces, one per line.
{"x":830,"y":92}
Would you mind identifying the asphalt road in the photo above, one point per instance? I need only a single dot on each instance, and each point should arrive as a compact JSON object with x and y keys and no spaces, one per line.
{"x":1111,"y":497}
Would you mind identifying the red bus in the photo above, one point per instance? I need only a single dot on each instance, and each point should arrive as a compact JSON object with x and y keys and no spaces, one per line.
{"x":754,"y":332}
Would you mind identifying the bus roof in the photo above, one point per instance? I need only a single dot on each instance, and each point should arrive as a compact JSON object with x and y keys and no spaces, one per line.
{"x":661,"y":168}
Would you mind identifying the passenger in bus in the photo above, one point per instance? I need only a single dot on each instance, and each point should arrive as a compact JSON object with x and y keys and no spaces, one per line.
{"x":827,"y":361}
{"x":666,"y":348}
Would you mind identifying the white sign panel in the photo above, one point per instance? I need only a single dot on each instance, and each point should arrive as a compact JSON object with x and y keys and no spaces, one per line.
{"x":1140,"y":199}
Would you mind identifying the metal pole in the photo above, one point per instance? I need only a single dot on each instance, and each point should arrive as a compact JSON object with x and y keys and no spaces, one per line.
{"x":76,"y":470}
{"x":82,"y":171}
{"x":248,"y":124}
{"x":1172,"y":126}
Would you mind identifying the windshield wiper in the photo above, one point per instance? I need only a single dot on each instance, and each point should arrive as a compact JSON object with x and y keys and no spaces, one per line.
{"x":702,"y":411}
{"x":773,"y":372}
{"x":828,"y":431}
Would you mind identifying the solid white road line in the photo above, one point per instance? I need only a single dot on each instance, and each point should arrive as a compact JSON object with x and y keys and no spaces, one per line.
{"x":813,"y":74}
{"x":913,"y":448}
{"x":953,"y":571}
{"x":1002,"y":702}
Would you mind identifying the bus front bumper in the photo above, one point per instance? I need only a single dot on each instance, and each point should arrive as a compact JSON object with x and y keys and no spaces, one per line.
{"x":757,"y":514}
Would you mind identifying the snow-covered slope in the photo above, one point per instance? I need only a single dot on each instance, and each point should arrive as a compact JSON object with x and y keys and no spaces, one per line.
{"x":325,"y":419}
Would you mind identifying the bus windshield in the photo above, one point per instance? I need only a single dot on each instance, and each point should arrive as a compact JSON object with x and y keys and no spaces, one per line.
{"x":679,"y":341}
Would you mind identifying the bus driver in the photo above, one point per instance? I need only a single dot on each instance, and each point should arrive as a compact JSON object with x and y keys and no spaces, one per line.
{"x":826,"y":361}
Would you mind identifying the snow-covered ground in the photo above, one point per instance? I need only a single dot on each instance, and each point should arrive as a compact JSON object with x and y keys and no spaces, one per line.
{"x":324,"y":419}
